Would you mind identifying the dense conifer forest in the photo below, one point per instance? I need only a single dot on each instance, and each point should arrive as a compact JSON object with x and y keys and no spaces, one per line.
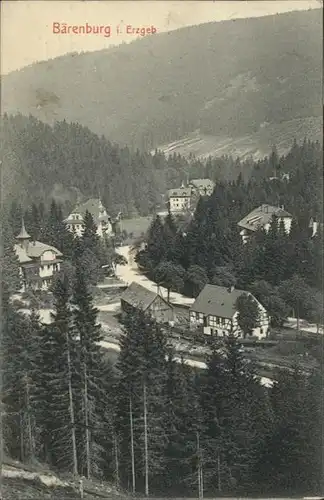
{"x":40,"y":162}
{"x":152,"y":425}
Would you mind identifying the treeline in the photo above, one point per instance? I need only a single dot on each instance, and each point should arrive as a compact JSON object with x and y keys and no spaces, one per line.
{"x":284,"y":271}
{"x":40,"y":162}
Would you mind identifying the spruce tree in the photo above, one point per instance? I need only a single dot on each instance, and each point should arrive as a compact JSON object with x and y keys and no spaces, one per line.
{"x":9,"y":264}
{"x":90,"y":239}
{"x":290,"y":462}
{"x":57,"y":368}
{"x":142,"y":380}
{"x":248,"y":314}
{"x":90,"y":386}
{"x":19,"y":348}
{"x":156,"y":244}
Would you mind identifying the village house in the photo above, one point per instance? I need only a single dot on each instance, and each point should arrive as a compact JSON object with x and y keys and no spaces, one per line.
{"x":179,"y":199}
{"x":214,"y":311}
{"x":38,"y":262}
{"x":183,"y":199}
{"x":74,"y":221}
{"x":138,"y":298}
{"x":203,"y":187}
{"x":260,"y":218}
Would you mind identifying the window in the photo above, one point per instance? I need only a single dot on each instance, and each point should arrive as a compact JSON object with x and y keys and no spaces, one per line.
{"x":212,"y":321}
{"x":217,"y":320}
{"x":48,"y":266}
{"x":223,"y":321}
{"x":261,"y":331}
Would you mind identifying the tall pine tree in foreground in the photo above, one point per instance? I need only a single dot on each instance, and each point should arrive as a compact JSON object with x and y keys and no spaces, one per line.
{"x":19,"y":349}
{"x":56,"y":366}
{"x":90,"y":383}
{"x":141,"y":408}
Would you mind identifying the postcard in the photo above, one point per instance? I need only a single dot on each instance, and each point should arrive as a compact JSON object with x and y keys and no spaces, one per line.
{"x":161,"y":249}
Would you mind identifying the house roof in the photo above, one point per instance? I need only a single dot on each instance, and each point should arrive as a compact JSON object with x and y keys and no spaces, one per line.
{"x":34,"y":250}
{"x":21,"y":254}
{"x":23,"y":235}
{"x":94,"y":206}
{"x":202,"y":183}
{"x":217,"y":301}
{"x":181,"y":192}
{"x":261,"y":216}
{"x":138,"y":296}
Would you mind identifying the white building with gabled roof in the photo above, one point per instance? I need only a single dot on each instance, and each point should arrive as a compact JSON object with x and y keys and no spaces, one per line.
{"x":94,"y":206}
{"x":38,"y":262}
{"x":179,"y":200}
{"x":260,"y":218}
{"x":215,"y":312}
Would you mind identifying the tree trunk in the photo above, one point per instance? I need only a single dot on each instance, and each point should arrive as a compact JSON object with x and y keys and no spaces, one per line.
{"x":199,"y":470}
{"x":74,"y":448}
{"x":219,"y":483}
{"x":132,"y":443}
{"x":116,"y":460}
{"x":22,"y":448}
{"x":145,"y":441}
{"x":169,"y":294}
{"x":29,"y":424}
{"x":86,"y":415}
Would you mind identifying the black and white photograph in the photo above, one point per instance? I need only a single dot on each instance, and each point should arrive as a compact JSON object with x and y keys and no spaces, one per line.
{"x":161,"y":250}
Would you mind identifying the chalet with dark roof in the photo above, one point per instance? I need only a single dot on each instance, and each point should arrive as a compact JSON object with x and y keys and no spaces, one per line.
{"x":214,"y":311}
{"x":260,"y":218}
{"x":38,"y":262}
{"x":74,"y":222}
{"x":138,"y":298}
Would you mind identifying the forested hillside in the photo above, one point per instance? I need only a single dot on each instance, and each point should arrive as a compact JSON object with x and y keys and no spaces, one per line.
{"x":40,"y":162}
{"x":240,"y":78}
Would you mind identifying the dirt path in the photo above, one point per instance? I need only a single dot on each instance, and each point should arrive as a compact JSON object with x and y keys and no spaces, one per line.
{"x":129,"y":273}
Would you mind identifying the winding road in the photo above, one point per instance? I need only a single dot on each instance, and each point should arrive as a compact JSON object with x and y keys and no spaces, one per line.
{"x":129,"y":273}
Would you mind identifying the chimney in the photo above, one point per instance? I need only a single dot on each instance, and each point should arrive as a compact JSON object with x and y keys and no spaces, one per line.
{"x":230,"y":289}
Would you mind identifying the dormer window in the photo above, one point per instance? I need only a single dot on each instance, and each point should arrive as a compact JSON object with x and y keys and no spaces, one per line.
{"x":254,"y":220}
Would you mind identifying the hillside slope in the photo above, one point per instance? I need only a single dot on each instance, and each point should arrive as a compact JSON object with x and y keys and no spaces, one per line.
{"x":233,"y":79}
{"x":26,"y":482}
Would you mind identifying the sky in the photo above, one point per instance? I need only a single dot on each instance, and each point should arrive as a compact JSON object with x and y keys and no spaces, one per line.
{"x":27,"y":26}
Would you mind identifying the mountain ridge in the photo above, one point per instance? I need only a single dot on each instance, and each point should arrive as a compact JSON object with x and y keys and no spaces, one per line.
{"x":162,"y":88}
